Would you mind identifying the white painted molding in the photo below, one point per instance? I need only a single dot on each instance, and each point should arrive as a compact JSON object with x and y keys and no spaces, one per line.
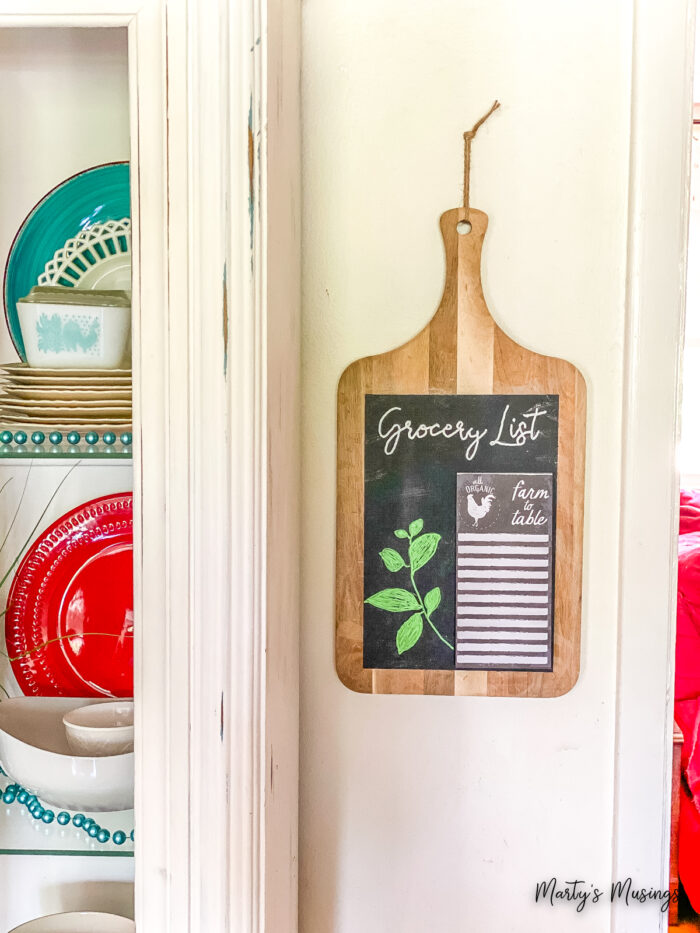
{"x":215,"y":177}
{"x":277,"y":128}
{"x":227,"y":360}
{"x":661,"y":124}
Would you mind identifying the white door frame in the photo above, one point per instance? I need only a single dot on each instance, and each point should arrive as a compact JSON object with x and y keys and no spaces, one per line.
{"x":661,"y":126}
{"x":215,"y":177}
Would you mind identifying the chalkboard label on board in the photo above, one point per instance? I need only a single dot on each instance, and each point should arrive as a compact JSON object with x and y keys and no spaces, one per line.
{"x":422,"y":453}
{"x":505,"y":571}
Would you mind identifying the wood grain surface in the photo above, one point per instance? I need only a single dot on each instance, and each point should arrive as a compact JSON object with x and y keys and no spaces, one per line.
{"x":462,"y":351}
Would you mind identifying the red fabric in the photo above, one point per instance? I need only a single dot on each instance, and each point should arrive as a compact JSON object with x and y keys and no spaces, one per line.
{"x":690,"y":511}
{"x":689,"y":846}
{"x":687,"y":692}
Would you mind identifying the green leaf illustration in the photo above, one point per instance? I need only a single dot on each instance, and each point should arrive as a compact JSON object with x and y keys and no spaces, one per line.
{"x":394,"y":600}
{"x":409,"y":633}
{"x":422,"y":549}
{"x":432,"y":600}
{"x":392,"y":559}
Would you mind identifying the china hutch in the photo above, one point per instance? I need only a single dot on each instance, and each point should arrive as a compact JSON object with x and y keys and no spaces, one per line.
{"x":149,"y":366}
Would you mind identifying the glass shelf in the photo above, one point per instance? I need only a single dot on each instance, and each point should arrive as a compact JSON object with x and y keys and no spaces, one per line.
{"x":22,"y":834}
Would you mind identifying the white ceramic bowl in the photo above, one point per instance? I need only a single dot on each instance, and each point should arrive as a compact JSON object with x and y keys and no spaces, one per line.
{"x":78,"y":922}
{"x":74,"y":336}
{"x":34,"y":752}
{"x":101,"y":729}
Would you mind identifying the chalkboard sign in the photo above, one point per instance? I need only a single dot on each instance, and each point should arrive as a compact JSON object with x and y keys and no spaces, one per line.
{"x":460,"y":504}
{"x":459,"y":531}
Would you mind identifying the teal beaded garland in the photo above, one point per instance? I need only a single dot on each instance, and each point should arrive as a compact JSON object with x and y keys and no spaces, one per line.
{"x":109,"y":438}
{"x":15,"y":792}
{"x":20,"y":437}
{"x":6,"y":437}
{"x":55,"y":437}
{"x":125,"y":439}
{"x":38,"y":437}
{"x":91,"y":437}
{"x":73,"y":438}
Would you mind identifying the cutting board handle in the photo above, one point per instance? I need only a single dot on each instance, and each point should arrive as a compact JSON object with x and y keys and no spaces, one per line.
{"x":462,"y":319}
{"x":463,"y":231}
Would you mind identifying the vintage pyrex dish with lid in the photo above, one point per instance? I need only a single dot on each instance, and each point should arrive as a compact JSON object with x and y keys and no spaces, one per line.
{"x":66,"y":328}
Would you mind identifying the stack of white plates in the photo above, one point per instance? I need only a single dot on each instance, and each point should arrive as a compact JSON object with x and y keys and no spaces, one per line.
{"x":65,"y":399}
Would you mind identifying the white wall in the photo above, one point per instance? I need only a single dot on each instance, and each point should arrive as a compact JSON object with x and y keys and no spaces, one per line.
{"x":425,"y":814}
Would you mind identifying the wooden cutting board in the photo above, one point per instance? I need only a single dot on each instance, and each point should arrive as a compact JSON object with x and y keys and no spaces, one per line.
{"x":461,"y":353}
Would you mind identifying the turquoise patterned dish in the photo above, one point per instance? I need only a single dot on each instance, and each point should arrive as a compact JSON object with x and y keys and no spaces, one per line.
{"x":94,"y":196}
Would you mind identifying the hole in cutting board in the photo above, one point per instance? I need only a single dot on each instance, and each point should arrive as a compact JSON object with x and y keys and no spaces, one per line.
{"x":464,"y":227}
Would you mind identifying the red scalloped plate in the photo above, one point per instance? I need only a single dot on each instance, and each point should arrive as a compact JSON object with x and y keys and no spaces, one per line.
{"x":71,"y":604}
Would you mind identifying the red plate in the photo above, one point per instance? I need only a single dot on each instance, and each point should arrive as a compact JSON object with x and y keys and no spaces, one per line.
{"x":76,"y":585}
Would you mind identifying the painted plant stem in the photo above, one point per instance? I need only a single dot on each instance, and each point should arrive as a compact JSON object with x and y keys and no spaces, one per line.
{"x":427,"y":614}
{"x":421,"y":549}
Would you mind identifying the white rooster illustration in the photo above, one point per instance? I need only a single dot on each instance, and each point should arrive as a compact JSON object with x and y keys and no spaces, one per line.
{"x":479,"y":511}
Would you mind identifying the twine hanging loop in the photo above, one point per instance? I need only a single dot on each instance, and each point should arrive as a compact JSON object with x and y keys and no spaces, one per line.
{"x":468,"y":137}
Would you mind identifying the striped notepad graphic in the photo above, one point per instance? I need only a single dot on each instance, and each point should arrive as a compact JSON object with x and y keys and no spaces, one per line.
{"x":505,"y":563}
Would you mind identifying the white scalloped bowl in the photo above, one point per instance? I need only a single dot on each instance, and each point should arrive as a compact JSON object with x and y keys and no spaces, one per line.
{"x":34,"y":752}
{"x":98,"y":257}
{"x":78,"y":922}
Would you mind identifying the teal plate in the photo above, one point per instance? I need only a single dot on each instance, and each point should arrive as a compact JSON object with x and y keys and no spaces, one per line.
{"x":93,"y":196}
